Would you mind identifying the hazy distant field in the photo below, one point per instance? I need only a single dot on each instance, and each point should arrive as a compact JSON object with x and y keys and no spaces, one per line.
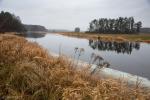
{"x":111,"y":37}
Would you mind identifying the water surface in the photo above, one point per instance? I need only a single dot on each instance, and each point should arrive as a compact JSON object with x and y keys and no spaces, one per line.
{"x":129,"y":57}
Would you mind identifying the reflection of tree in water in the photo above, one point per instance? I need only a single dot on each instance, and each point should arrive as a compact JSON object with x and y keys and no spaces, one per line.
{"x":122,"y":47}
{"x":32,"y":35}
{"x":35,"y":35}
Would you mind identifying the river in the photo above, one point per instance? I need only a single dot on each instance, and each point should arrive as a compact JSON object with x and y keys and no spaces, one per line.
{"x":131,"y":57}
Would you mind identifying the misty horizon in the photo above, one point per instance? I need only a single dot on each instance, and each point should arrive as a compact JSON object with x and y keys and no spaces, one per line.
{"x":67,"y":14}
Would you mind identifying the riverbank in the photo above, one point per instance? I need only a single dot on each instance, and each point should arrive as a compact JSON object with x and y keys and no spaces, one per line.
{"x":28,"y":72}
{"x":111,"y":37}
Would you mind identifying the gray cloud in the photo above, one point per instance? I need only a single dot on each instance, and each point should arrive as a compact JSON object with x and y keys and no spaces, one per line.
{"x":67,"y":14}
{"x":148,"y":1}
{"x":0,"y":2}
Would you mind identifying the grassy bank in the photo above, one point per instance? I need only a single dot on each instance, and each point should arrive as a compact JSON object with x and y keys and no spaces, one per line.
{"x":111,"y":37}
{"x":27,"y":72}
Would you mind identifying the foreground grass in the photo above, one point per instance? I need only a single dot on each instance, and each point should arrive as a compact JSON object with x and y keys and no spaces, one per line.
{"x":111,"y":37}
{"x":27,"y":72}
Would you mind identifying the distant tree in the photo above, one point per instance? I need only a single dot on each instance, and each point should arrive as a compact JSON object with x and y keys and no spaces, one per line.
{"x":10,"y":23}
{"x":131,"y":24}
{"x":77,"y":29}
{"x":138,"y":26}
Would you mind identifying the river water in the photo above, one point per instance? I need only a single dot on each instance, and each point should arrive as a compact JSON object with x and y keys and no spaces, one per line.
{"x":129,"y":57}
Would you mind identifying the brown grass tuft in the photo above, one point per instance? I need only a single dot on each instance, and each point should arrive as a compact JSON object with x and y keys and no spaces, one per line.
{"x":27,"y":72}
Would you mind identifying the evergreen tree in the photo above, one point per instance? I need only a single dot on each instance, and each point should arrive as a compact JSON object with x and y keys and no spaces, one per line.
{"x":10,"y":23}
{"x":119,"y":25}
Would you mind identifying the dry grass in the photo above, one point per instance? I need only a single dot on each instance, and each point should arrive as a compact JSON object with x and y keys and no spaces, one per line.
{"x":111,"y":37}
{"x":27,"y":72}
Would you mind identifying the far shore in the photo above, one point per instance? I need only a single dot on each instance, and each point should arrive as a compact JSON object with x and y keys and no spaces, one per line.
{"x":110,"y":37}
{"x":141,"y":37}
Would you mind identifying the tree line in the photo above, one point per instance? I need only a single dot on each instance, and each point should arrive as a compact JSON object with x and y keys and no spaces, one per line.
{"x":10,"y":23}
{"x":119,"y":25}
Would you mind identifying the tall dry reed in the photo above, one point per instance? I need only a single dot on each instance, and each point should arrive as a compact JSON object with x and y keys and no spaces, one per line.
{"x":27,"y":72}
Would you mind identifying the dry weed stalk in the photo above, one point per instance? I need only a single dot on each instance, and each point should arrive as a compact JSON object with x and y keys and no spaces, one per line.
{"x":27,"y":72}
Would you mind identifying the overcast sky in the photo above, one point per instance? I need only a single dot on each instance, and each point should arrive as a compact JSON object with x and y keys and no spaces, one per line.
{"x":68,"y":14}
